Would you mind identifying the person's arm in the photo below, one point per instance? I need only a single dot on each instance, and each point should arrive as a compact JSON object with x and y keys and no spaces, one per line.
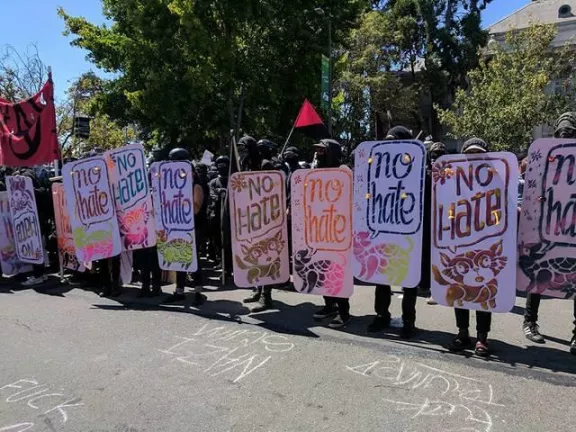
{"x":198,"y":198}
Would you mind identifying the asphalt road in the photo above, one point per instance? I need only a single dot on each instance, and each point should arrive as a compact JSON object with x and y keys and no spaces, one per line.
{"x":71,"y":361}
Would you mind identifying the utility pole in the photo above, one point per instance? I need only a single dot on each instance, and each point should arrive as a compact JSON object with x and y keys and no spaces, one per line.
{"x":323,"y":13}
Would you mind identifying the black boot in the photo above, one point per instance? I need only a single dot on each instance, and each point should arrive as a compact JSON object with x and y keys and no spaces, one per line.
{"x":254,"y":297}
{"x":265,"y":301}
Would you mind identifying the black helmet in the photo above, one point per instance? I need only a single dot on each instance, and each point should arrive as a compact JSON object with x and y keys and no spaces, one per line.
{"x":179,"y":154}
{"x":332,"y":154}
{"x":222,"y":160}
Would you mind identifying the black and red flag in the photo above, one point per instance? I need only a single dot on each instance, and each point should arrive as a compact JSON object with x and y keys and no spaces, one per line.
{"x":310,"y":123}
{"x":28,"y":134}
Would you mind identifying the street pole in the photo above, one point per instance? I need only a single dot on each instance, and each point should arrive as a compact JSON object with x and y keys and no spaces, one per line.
{"x":329,"y":74}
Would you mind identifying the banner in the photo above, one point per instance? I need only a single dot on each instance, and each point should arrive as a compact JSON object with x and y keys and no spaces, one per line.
{"x":388,"y":209}
{"x":91,"y":205}
{"x":172,"y":191}
{"x":28,"y":134}
{"x":129,"y":180}
{"x":547,"y":231}
{"x":9,"y":262}
{"x":322,"y":231}
{"x":474,"y":220}
{"x":259,"y":228}
{"x":24,"y":212}
{"x":66,"y":249}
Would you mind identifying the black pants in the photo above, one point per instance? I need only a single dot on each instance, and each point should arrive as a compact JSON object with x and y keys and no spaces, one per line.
{"x":147,"y":263}
{"x":342,"y":303}
{"x":533,"y":305}
{"x":483,"y":320}
{"x":38,"y":270}
{"x":383,"y":298}
{"x":110,"y":272}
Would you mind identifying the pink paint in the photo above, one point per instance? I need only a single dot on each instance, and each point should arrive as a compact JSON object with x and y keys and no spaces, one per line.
{"x":547,"y":229}
{"x":132,"y":197}
{"x":321,"y":214}
{"x":388,"y":212}
{"x":66,"y":249}
{"x":474,"y":234}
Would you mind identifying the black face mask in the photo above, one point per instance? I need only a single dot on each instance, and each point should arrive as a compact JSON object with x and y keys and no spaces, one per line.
{"x":566,"y":133}
{"x":322,"y":160}
{"x":222,"y":170}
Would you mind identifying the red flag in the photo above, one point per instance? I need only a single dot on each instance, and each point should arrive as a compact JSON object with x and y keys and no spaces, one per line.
{"x":28,"y":130}
{"x":310,"y":122}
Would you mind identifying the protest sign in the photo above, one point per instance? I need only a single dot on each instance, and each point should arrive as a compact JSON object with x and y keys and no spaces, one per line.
{"x":547,"y":231}
{"x":66,"y":249}
{"x":9,"y":261}
{"x":322,"y":231}
{"x":388,"y":202}
{"x":172,"y":192}
{"x":28,"y":239}
{"x":259,"y":228}
{"x":207,"y":157}
{"x":129,"y":179}
{"x":474,"y":219}
{"x":91,"y":208}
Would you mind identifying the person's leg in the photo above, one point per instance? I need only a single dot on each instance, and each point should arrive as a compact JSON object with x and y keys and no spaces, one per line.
{"x":573,"y":342}
{"x":154,"y":266}
{"x":343,"y":317}
{"x":483,"y":323}
{"x":530,"y":326}
{"x":462,"y":340}
{"x":409,"y":312}
{"x":116,"y":264}
{"x":382,"y":299}
{"x":330,"y":308}
{"x":265,"y":300}
{"x":141,"y":260}
{"x":38,"y":276}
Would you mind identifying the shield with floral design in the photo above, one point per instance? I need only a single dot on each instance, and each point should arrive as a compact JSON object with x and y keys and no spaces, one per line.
{"x":259,"y":228}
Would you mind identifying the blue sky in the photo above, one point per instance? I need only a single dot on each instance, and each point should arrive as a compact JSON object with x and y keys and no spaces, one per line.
{"x":44,"y":28}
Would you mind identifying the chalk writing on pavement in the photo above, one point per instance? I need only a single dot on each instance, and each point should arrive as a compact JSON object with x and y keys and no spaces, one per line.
{"x":229,"y":353}
{"x":434,"y":393}
{"x":53,"y":405}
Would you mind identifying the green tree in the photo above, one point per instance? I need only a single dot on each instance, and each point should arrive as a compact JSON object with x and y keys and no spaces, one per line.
{"x":373,"y":95}
{"x":509,"y":93}
{"x":184,"y":67}
{"x":82,"y":100}
{"x":403,"y":55}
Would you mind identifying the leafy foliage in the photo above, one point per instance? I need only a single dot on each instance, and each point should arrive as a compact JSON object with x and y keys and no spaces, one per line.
{"x":185,"y":67}
{"x":509,"y":93}
{"x":82,"y":100}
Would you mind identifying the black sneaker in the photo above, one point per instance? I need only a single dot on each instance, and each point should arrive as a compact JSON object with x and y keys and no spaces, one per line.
{"x":339,"y":322}
{"x":145,"y":293}
{"x":379,"y":324}
{"x":481,"y":348}
{"x":175,"y":298}
{"x":532,"y":333}
{"x":253,"y":297}
{"x":573,"y":346}
{"x":199,"y":299}
{"x":461,"y":343}
{"x":325,"y":312}
{"x":408,"y":331}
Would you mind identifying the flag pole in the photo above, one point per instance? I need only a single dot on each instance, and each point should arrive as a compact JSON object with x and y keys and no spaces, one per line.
{"x":288,"y":139}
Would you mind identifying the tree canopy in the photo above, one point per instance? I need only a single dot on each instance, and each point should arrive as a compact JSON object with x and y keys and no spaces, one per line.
{"x":185,"y":67}
{"x":510,"y":93}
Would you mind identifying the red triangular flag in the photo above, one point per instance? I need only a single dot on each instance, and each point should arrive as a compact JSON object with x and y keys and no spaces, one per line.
{"x":307,"y":116}
{"x":310,"y":122}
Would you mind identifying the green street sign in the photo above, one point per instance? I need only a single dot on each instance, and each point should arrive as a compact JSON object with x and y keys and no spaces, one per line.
{"x":324,"y":98}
